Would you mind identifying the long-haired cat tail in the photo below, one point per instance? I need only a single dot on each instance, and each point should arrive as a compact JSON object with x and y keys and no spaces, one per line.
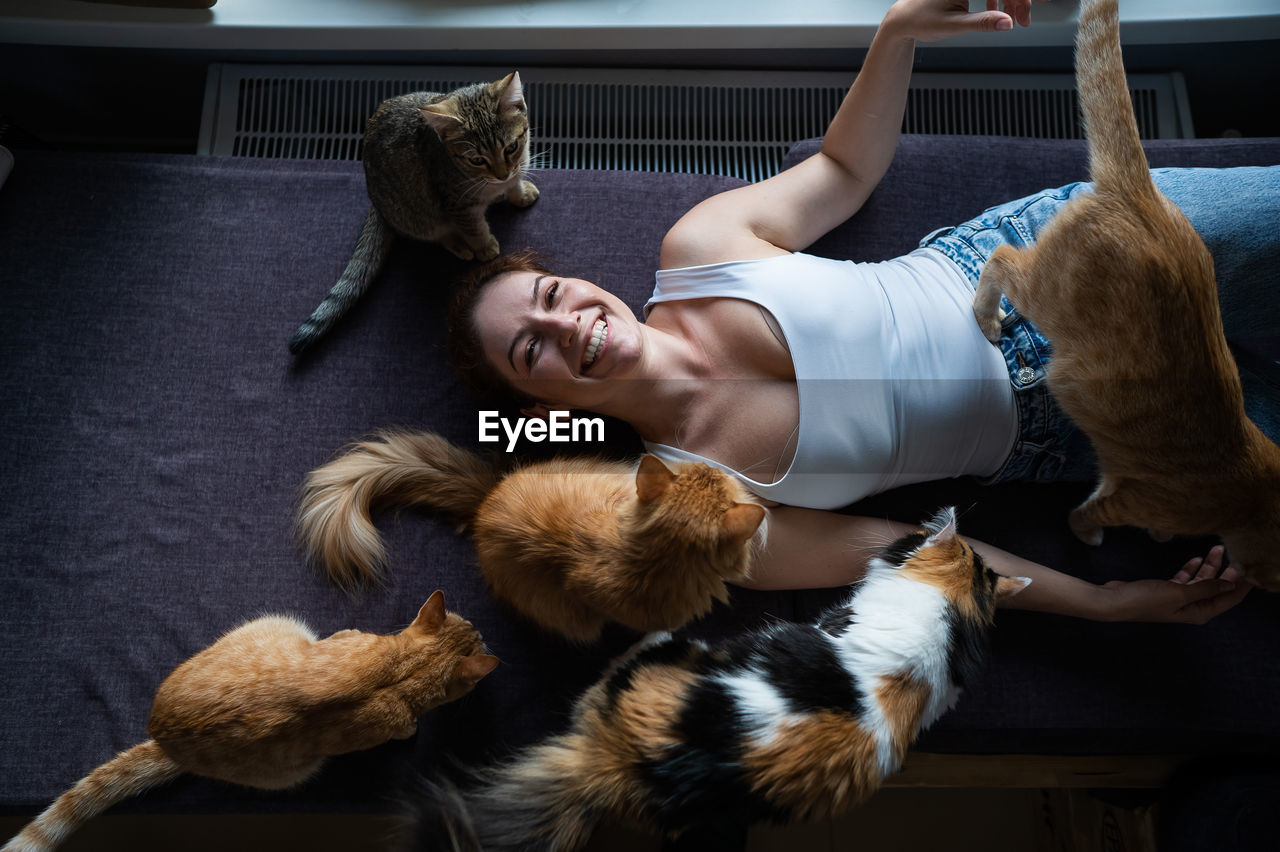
{"x":1125,"y":289}
{"x":433,"y":164}
{"x":267,"y":703}
{"x":787,"y":722}
{"x":394,"y":468}
{"x":570,"y":543}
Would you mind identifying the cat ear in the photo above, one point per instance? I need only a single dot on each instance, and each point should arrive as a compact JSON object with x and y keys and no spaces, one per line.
{"x":476,"y":666}
{"x":511,"y":93}
{"x":432,"y":614}
{"x":742,"y":521}
{"x":1007,"y":587}
{"x":942,"y":527}
{"x":652,"y":478}
{"x":442,"y":117}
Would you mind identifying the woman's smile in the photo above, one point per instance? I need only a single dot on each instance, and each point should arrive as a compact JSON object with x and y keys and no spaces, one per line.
{"x":544,"y":328}
{"x":597,"y":343}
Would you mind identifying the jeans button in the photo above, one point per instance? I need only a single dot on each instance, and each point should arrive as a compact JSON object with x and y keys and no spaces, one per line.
{"x":1026,"y":375}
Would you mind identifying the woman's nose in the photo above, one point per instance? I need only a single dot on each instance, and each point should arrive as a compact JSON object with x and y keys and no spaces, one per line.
{"x":561,"y":326}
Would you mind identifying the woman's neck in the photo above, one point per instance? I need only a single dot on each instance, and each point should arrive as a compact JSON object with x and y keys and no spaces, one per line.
{"x":713,"y":360}
{"x":667,"y":385}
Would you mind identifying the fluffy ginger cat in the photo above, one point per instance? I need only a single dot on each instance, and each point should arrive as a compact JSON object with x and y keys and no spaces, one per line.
{"x":1124,"y":287}
{"x":570,"y":543}
{"x":266,"y":704}
{"x":790,"y":721}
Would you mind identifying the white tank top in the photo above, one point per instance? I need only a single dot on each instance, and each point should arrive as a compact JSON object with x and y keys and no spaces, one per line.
{"x":896,"y":383}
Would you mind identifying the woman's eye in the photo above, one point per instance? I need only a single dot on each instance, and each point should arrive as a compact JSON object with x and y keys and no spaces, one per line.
{"x":551,"y":293}
{"x":528,"y":351}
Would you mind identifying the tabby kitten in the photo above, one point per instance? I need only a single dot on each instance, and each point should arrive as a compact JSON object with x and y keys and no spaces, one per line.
{"x":786,"y":722}
{"x":1124,"y":287}
{"x":265,"y":704}
{"x":570,"y":543}
{"x":433,"y":164}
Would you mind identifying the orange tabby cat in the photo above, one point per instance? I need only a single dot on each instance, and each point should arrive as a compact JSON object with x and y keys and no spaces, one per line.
{"x":268,"y":702}
{"x":1124,"y":287}
{"x":570,"y":543}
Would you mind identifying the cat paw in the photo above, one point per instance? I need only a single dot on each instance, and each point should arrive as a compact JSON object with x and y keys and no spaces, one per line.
{"x":489,"y":250}
{"x":458,"y":248}
{"x":1085,"y":531}
{"x":990,"y":324}
{"x":991,"y":330}
{"x":523,"y":194}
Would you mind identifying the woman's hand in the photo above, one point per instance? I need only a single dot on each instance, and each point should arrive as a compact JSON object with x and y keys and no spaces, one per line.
{"x":934,"y":20}
{"x":790,"y":210}
{"x":1199,"y":591}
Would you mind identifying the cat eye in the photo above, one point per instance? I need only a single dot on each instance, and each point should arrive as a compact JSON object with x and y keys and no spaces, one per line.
{"x":511,"y":149}
{"x":477,"y":161}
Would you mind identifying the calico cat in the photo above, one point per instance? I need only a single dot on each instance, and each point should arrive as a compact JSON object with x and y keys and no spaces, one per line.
{"x":787,"y":722}
{"x":265,"y":704}
{"x":570,"y":543}
{"x":1124,"y":287}
{"x":433,"y":164}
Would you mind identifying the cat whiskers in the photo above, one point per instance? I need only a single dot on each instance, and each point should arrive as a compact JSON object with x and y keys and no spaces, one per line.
{"x":473,"y":188}
{"x":537,"y":161}
{"x":863,"y":550}
{"x":875,"y":543}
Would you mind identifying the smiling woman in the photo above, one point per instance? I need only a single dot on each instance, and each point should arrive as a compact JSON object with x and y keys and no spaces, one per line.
{"x":557,"y":334}
{"x":555,"y":330}
{"x":818,"y":382}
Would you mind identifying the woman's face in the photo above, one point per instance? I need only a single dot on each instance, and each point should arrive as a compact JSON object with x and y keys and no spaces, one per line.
{"x":559,"y":340}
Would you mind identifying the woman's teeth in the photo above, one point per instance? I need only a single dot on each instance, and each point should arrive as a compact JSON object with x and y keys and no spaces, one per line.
{"x":598,"y":334}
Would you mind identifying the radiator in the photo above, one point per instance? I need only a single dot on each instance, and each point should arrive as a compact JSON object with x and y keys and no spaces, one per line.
{"x":721,"y":122}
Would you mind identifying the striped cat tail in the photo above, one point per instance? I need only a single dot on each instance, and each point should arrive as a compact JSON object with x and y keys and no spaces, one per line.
{"x":1116,"y":160}
{"x":540,"y":801}
{"x":367,"y":259}
{"x":335,"y":525}
{"x":130,"y":773}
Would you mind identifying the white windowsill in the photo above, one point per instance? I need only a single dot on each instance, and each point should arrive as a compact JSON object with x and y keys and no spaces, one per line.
{"x":506,"y":25}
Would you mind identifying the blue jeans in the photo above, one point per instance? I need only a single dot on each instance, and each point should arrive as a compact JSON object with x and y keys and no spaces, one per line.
{"x":1235,"y":211}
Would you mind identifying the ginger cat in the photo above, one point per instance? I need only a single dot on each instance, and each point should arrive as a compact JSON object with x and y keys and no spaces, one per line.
{"x":1124,"y":287}
{"x":570,"y":543}
{"x":268,"y":702}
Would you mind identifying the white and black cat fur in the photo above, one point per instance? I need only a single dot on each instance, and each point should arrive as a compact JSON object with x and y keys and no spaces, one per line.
{"x":792,"y":721}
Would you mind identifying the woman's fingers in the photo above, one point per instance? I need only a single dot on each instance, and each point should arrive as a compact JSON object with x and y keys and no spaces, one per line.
{"x":1212,"y":598}
{"x":1204,"y":568}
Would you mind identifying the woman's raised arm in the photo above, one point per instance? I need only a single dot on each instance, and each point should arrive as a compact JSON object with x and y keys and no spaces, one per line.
{"x":790,"y":210}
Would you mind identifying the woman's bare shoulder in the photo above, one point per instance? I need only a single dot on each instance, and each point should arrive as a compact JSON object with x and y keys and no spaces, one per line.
{"x":706,"y":234}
